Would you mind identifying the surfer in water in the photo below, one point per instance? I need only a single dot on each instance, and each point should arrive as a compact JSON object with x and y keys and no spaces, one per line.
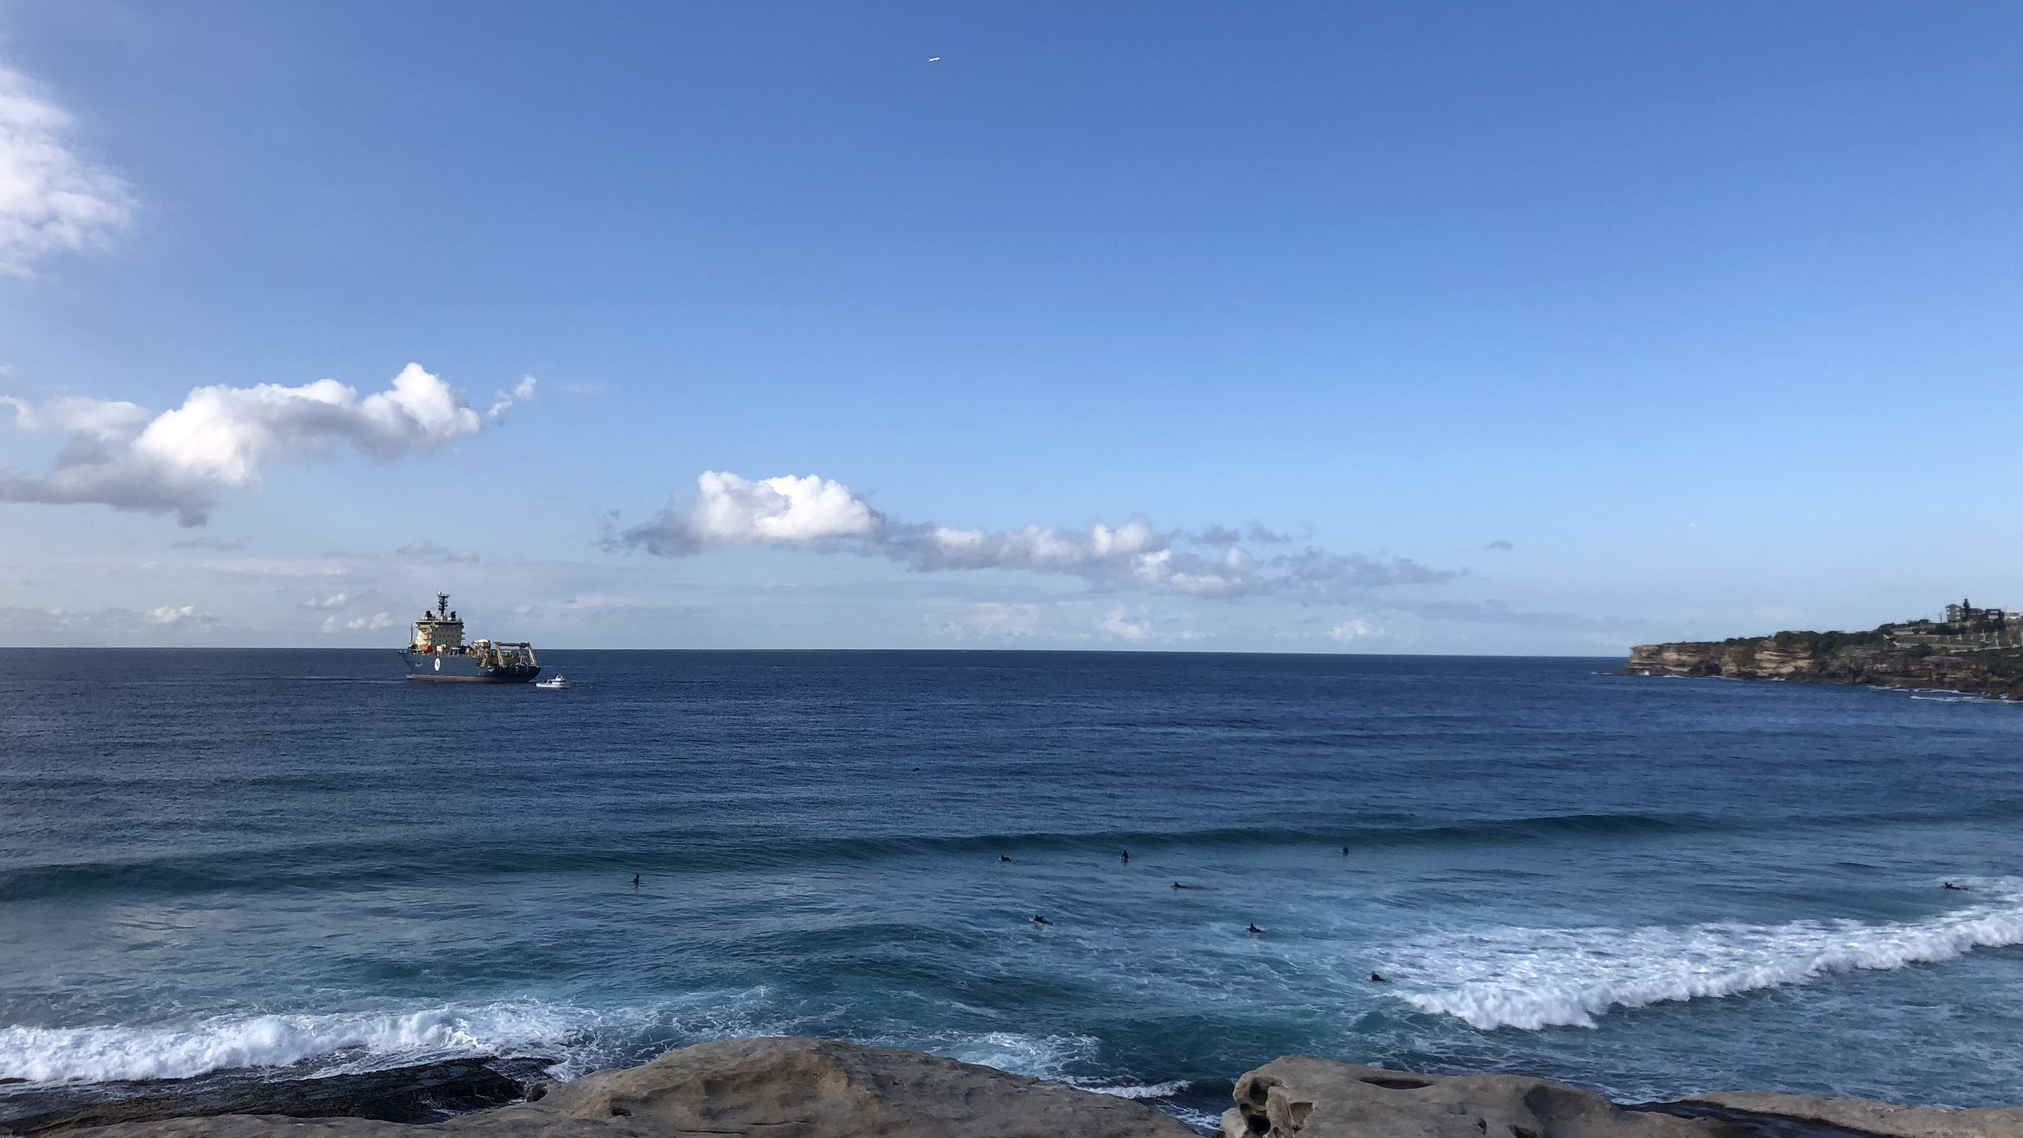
{"x":1253,"y":929}
{"x":1127,"y":857}
{"x":635,"y":881}
{"x":1345,"y":851}
{"x":1004,"y":857}
{"x":1039,"y":920}
{"x":1376,"y":979}
{"x":1177,"y":885}
{"x":1953,"y":887}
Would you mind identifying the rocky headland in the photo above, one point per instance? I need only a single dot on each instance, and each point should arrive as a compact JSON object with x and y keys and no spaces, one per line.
{"x":816,"y":1088}
{"x":1880,"y":658}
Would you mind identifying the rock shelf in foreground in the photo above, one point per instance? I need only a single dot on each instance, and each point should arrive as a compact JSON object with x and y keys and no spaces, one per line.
{"x":816,"y":1088}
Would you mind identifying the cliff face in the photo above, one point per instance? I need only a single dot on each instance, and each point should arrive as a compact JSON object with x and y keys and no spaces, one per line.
{"x":1830,"y":658}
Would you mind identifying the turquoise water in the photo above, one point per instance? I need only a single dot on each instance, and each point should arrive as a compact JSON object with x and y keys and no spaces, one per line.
{"x":1650,"y":887}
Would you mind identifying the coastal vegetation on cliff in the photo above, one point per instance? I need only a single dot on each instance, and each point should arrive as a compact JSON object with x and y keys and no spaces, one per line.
{"x":1980,"y":652}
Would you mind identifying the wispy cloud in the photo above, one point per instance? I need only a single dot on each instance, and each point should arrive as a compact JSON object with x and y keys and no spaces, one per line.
{"x":822,"y":514}
{"x":436,"y":552}
{"x":223,"y":545}
{"x":124,"y":456}
{"x":1500,"y":544}
{"x":984,"y":621}
{"x":51,"y":199}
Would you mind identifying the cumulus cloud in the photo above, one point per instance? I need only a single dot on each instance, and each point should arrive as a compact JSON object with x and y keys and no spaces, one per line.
{"x":124,"y":456}
{"x":729,"y":510}
{"x":1351,"y":630}
{"x":823,"y":514}
{"x":180,"y":614}
{"x":333,"y":601}
{"x":51,"y":199}
{"x":1117,"y":624}
{"x":375,"y":622}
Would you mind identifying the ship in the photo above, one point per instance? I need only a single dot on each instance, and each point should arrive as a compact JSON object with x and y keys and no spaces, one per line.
{"x":436,"y":653}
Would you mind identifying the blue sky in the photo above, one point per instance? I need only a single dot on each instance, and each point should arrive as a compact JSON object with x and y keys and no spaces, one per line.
{"x":1393,"y":328}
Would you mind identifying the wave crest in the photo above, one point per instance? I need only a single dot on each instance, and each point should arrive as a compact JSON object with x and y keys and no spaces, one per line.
{"x":350,"y":1040}
{"x":1539,"y":978}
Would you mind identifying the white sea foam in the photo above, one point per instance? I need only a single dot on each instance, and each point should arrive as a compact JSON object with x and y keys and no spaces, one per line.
{"x":1141,"y":1090}
{"x":1535,"y":978}
{"x":174,"y":1051}
{"x":1041,"y":1056}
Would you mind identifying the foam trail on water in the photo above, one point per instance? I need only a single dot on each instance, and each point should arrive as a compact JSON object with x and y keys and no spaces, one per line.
{"x":1141,"y":1090}
{"x":1537,"y":978}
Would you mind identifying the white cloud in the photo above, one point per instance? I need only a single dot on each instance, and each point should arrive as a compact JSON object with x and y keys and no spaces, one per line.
{"x":1351,"y":630}
{"x":730,"y":510}
{"x":221,"y":437}
{"x":51,"y":200}
{"x":179,"y":614}
{"x":521,"y":392}
{"x":99,"y":418}
{"x":374,"y":622}
{"x":333,"y":601}
{"x":985,"y":620}
{"x":1120,"y":625}
{"x":819,"y":513}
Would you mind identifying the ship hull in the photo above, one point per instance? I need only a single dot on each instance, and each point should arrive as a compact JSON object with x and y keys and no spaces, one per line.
{"x":423,"y":667}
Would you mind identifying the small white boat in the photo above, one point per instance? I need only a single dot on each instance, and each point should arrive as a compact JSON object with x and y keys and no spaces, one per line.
{"x":552,"y":683}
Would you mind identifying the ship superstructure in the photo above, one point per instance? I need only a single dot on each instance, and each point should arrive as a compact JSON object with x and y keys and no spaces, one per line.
{"x":436,"y":652}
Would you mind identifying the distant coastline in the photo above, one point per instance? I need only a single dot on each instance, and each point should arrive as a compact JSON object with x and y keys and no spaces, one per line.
{"x":1973,"y":650}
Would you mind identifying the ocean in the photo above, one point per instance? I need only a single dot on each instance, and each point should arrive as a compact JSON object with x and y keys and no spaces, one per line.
{"x":1650,"y":887}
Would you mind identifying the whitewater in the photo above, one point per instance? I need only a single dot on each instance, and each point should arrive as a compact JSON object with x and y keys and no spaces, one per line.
{"x":296,"y":862}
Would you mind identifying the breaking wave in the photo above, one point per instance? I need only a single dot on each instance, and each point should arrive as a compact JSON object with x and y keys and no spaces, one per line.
{"x":1538,"y":978}
{"x":578,"y":1039}
{"x":342,"y":1041}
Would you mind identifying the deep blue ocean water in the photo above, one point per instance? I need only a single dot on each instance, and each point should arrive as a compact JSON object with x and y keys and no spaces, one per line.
{"x":1647,"y":886}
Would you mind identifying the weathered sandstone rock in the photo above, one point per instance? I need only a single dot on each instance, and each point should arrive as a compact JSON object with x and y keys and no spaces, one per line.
{"x":1877,"y":1118}
{"x":1306,"y":1097}
{"x":819,"y":1088}
{"x":775,"y":1088}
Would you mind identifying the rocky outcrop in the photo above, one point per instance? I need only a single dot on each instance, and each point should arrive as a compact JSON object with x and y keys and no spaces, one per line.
{"x":1860,"y":1116}
{"x":775,"y":1088}
{"x":1315,"y":1098}
{"x":1835,"y":658}
{"x":819,"y":1088}
{"x":429,"y":1092}
{"x":815,"y":1088}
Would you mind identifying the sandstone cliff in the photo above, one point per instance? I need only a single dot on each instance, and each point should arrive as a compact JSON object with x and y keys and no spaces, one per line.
{"x":1837,"y":658}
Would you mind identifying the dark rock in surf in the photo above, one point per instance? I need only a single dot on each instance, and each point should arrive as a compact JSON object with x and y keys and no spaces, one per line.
{"x":428,"y":1092}
{"x":1849,"y":1116}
